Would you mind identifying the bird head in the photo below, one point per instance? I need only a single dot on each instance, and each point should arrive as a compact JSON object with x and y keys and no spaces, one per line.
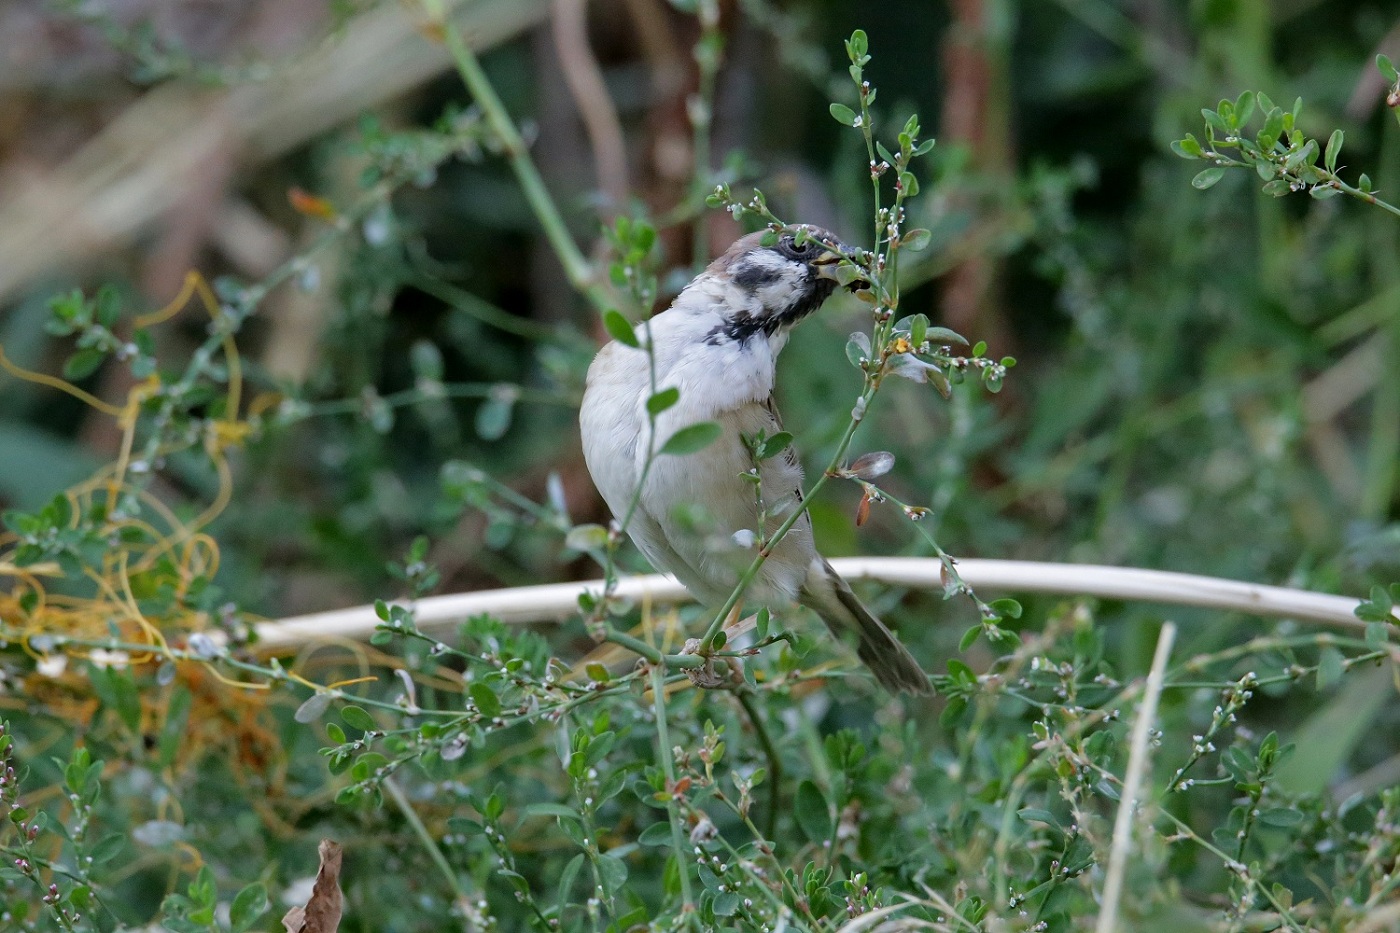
{"x":773,"y":287}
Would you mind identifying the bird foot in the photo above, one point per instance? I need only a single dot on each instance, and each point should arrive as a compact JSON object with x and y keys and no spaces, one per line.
{"x":708,"y":677}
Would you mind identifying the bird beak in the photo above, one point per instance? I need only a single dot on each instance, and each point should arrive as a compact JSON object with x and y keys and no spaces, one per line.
{"x":829,"y":266}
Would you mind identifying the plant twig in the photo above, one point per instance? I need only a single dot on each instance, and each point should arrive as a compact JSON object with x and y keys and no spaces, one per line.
{"x":663,"y":751}
{"x":576,"y":266}
{"x":416,"y":824}
{"x":1132,"y":782}
{"x":775,"y":763}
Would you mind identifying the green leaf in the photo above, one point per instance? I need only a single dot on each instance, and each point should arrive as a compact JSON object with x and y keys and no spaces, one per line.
{"x":357,"y":718}
{"x":107,"y":306}
{"x":918,"y":329}
{"x":961,"y":673}
{"x":1333,"y":732}
{"x":567,"y":878}
{"x":772,"y":446}
{"x":1188,"y":148}
{"x":1329,"y":667}
{"x":426,"y":360}
{"x":552,"y":809}
{"x":952,"y":712}
{"x":859,"y":44}
{"x":1207,"y":178}
{"x":493,"y":416}
{"x":690,"y":439}
{"x":813,"y":815}
{"x":1007,"y":608}
{"x":916,"y":239}
{"x":612,"y":871}
{"x":1280,"y":816}
{"x":485,"y":699}
{"x":663,"y":400}
{"x":726,"y":904}
{"x":248,"y":905}
{"x":946,"y":335}
{"x":1377,"y":634}
{"x":1035,"y":815}
{"x":843,"y":114}
{"x":109,"y":848}
{"x":1273,"y":129}
{"x":619,"y":328}
{"x":1244,"y":108}
{"x":1384,"y":64}
{"x":83,"y":364}
{"x":1334,"y":147}
{"x":586,"y":538}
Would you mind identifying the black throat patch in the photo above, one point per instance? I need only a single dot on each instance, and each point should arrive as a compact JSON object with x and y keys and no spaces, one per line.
{"x":741,"y":327}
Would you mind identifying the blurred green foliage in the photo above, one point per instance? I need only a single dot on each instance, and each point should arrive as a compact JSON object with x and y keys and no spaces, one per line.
{"x":1207,"y":381}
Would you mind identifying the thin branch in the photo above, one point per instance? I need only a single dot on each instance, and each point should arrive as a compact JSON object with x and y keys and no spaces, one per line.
{"x":555,"y":602}
{"x":415,"y":822}
{"x":576,"y":266}
{"x":1132,"y":782}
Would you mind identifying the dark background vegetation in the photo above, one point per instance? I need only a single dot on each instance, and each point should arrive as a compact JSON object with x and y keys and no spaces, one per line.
{"x":1206,"y":381}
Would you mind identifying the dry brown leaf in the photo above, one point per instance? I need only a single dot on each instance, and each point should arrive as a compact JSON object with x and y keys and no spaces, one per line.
{"x":322,"y":913}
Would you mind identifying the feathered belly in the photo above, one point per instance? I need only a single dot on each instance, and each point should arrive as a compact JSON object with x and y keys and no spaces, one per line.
{"x":708,"y":512}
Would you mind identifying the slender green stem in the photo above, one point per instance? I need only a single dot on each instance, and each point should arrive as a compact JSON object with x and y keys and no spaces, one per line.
{"x":668,"y":767}
{"x":764,"y":887}
{"x":429,"y":843}
{"x":416,"y":396}
{"x":707,"y":642}
{"x":1285,"y":915}
{"x":690,"y":661}
{"x":775,"y":764}
{"x":576,"y":266}
{"x":481,"y":309}
{"x":1364,"y":196}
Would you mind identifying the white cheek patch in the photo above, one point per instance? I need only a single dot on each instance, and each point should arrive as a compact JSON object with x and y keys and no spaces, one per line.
{"x":779,"y":294}
{"x":771,"y":279}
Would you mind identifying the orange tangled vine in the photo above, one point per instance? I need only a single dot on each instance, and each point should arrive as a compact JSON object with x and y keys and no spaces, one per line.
{"x":150,"y":557}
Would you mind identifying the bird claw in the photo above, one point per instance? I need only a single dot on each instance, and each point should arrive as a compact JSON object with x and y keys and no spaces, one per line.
{"x":705,"y":676}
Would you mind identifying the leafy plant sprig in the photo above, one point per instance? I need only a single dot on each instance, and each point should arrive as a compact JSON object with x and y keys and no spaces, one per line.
{"x":910,"y":347}
{"x":1282,"y":155}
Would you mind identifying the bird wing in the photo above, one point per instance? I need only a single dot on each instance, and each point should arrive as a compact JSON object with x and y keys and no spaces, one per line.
{"x":717,"y":501}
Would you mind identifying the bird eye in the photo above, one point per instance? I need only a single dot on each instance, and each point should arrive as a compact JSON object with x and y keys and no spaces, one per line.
{"x":794,"y":248}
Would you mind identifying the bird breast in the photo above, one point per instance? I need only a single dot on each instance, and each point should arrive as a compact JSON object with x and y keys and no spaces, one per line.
{"x":691,"y":505}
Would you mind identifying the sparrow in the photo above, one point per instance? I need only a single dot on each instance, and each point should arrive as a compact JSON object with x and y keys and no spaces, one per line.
{"x":696,"y":515}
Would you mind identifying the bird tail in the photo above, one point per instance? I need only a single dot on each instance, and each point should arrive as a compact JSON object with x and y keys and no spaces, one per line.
{"x":830,"y":597}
